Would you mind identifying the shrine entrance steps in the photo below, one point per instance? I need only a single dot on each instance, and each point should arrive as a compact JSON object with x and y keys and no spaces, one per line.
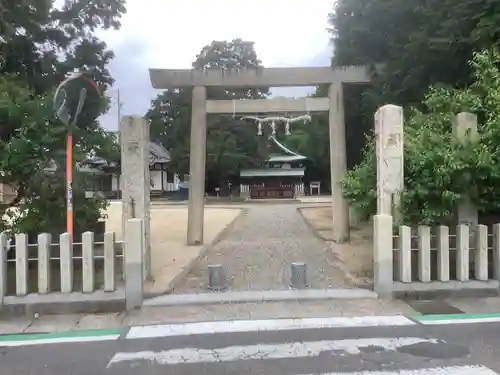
{"x":257,"y":254}
{"x":274,"y":201}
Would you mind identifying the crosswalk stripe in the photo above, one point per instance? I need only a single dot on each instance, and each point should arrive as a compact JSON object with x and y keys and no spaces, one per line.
{"x":460,"y":321}
{"x":166,"y":330}
{"x":267,"y":351}
{"x":449,"y":370}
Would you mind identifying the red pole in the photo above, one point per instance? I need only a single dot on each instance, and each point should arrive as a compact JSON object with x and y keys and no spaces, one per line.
{"x":69,"y":184}
{"x":69,"y":160}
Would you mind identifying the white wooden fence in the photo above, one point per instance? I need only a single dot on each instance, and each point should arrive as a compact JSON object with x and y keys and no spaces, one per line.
{"x":25,"y":264}
{"x":427,"y":259}
{"x":299,"y":188}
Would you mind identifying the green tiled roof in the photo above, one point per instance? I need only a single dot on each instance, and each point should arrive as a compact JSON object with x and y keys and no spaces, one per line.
{"x":272,"y":172}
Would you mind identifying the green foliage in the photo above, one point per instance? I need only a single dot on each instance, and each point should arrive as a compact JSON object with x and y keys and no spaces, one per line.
{"x":232,"y":144}
{"x":439,"y":169}
{"x":422,"y":43}
{"x":41,"y":44}
{"x":312,"y":140}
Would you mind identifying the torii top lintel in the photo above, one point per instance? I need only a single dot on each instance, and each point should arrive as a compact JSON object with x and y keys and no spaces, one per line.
{"x":259,"y":77}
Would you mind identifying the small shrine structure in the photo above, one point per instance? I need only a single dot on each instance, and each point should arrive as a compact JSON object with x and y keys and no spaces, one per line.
{"x":280,"y":177}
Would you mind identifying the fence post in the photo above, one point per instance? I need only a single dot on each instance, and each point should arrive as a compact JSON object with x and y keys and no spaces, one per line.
{"x":21,"y":264}
{"x":463,"y":252}
{"x":481,"y":253}
{"x":424,"y":253}
{"x":496,"y":251}
{"x":405,"y":254}
{"x":133,"y":252}
{"x":44,"y":266}
{"x":66,"y":261}
{"x":3,"y":266}
{"x":443,"y":253}
{"x":88,"y":270}
{"x":383,"y":254}
{"x":109,"y":262}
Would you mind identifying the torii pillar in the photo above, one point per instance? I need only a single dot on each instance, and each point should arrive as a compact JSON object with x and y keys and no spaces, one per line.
{"x":338,"y":163}
{"x":197,"y":164}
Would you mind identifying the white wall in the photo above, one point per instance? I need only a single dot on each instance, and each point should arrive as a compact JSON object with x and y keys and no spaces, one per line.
{"x":114,"y":183}
{"x":156,"y":177}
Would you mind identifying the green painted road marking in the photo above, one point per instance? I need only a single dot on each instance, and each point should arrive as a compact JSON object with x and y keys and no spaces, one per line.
{"x":457,"y":318}
{"x":59,"y":337}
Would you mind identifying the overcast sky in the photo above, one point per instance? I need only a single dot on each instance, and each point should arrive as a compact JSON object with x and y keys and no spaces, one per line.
{"x":169,"y":34}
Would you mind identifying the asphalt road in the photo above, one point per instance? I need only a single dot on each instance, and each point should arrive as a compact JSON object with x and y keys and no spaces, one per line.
{"x":466,"y":349}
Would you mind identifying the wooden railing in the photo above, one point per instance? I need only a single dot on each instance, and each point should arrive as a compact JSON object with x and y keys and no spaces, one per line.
{"x":435,"y":259}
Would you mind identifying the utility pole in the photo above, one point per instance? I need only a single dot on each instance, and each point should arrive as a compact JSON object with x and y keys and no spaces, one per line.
{"x":119,"y":105}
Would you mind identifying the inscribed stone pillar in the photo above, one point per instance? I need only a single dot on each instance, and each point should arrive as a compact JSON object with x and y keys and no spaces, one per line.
{"x":465,"y":126}
{"x":338,"y":163}
{"x":135,"y":179}
{"x":390,"y":163}
{"x":197,"y":167}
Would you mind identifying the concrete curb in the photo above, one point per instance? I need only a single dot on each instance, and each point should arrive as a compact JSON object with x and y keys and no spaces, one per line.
{"x":450,"y":289}
{"x":309,"y":225}
{"x":271,"y":201}
{"x":223,"y":233}
{"x":259,"y":296}
{"x":62,"y":303}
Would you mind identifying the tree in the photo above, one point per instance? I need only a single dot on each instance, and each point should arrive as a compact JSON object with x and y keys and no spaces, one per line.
{"x":439,"y":170}
{"x":422,"y":43}
{"x":312,"y":140}
{"x":170,"y":118}
{"x":231,"y":143}
{"x":41,"y":45}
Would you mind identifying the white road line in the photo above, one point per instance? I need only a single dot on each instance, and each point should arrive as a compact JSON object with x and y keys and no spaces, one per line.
{"x":266,"y":351}
{"x":460,"y":321}
{"x":451,"y":370}
{"x":58,"y":340}
{"x":141,"y":332}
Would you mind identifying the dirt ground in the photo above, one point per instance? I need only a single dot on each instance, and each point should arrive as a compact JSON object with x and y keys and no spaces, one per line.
{"x":354,"y":258}
{"x":170,"y":256}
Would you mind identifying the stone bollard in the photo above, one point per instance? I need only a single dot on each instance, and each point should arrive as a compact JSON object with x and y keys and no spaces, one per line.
{"x":216,"y":277}
{"x":298,"y":278}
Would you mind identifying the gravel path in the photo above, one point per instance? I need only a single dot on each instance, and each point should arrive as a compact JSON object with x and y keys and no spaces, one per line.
{"x":257,"y":253}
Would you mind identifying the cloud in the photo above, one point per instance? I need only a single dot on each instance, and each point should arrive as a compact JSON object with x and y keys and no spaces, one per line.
{"x":132,"y":87}
{"x":161,"y":34}
{"x":321,"y":59}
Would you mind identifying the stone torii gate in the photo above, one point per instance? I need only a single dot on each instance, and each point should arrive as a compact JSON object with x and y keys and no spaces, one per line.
{"x":263,"y":77}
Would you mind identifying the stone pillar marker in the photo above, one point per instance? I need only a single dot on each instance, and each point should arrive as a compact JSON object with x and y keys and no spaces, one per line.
{"x":465,"y":127}
{"x":197,"y":159}
{"x":338,"y":163}
{"x":390,"y":158}
{"x":134,"y":138}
